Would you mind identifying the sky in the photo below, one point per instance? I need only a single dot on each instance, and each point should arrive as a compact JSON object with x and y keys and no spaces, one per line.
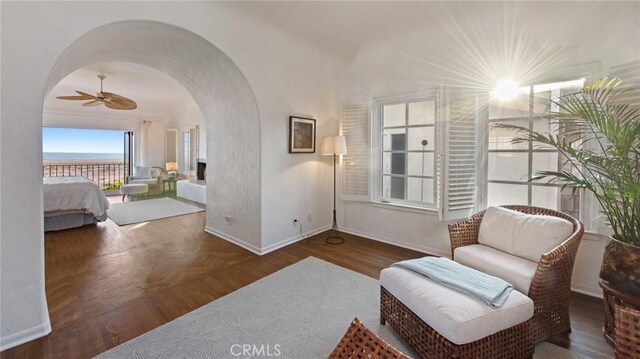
{"x":82,"y":141}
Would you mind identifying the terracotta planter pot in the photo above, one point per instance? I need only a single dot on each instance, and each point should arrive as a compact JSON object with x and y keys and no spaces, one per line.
{"x":621,"y":267}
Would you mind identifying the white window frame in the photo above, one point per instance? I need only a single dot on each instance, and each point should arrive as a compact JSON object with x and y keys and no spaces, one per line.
{"x":377,"y":153}
{"x":583,"y":210}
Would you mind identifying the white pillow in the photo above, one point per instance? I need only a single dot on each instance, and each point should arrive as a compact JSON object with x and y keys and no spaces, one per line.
{"x":141,"y":172}
{"x":524,"y":235}
{"x":155,"y":172}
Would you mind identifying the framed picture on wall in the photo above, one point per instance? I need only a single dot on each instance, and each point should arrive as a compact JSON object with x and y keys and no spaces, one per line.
{"x":302,"y":135}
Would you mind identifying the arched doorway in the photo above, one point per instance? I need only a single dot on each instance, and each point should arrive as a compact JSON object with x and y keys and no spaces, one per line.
{"x":220,"y":90}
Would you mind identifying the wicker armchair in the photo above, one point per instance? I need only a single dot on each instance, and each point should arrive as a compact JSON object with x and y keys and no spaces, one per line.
{"x":361,"y":343}
{"x":627,"y":332}
{"x":551,"y":285}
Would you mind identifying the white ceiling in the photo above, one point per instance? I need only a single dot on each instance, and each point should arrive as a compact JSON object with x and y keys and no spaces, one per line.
{"x":344,"y":28}
{"x":446,"y":31}
{"x":157,"y":95}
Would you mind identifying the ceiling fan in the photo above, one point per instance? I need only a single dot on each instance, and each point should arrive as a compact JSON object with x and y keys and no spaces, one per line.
{"x":109,"y":99}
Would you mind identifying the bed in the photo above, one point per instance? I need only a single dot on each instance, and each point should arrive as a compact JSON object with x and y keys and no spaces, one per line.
{"x":72,"y":202}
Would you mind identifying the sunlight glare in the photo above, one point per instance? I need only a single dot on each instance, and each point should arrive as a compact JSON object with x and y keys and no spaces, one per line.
{"x":506,"y":91}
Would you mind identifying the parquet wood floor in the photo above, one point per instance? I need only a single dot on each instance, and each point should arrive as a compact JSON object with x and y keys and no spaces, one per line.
{"x":107,"y":284}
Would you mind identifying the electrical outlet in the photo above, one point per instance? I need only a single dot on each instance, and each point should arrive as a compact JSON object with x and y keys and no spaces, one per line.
{"x":295,"y":222}
{"x":227,"y":218}
{"x":309,"y":218}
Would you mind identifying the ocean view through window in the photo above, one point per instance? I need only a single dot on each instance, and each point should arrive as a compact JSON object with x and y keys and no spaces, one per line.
{"x":96,"y":154}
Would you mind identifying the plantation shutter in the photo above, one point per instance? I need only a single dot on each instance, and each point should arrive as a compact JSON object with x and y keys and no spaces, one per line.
{"x":629,"y":73}
{"x":356,"y":163}
{"x":460,"y":157}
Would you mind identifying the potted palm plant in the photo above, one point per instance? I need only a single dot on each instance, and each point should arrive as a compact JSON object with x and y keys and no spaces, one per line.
{"x":599,"y":138}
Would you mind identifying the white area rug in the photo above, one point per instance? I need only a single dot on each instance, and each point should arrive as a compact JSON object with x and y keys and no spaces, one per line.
{"x":299,"y":312}
{"x":149,"y":210}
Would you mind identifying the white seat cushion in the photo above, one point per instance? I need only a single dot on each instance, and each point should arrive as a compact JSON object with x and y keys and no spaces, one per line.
{"x":515,"y":270}
{"x":134,"y":188}
{"x":147,"y":181}
{"x":524,"y":235}
{"x":456,"y":316}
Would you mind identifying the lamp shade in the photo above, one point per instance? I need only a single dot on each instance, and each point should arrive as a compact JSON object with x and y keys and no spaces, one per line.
{"x":334,"y":145}
{"x":171,"y":166}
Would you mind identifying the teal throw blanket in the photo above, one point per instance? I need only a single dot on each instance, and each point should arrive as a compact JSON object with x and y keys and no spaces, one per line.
{"x":489,"y":289}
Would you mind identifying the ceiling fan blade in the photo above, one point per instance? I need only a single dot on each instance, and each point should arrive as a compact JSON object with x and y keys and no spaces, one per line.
{"x":121,"y":105}
{"x":119,"y":102}
{"x":114,"y":106}
{"x":83,"y":96}
{"x":86,"y":95}
{"x":73,"y":98}
{"x":113,"y":96}
{"x":92,"y":103}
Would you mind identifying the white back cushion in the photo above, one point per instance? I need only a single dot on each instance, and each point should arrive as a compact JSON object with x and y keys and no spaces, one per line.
{"x":155,"y":172}
{"x":142,"y":172}
{"x":523,"y":235}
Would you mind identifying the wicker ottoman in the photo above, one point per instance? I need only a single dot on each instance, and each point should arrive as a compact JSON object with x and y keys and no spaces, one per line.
{"x":439,"y":322}
{"x":132,"y":189}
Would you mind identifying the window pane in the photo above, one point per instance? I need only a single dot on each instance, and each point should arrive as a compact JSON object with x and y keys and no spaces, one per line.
{"x":541,"y":102}
{"x":545,"y":161}
{"x":393,"y":187}
{"x":393,"y":163}
{"x":422,"y":113}
{"x":500,"y":139}
{"x":501,"y":194}
{"x":417,"y":135}
{"x":518,"y":107}
{"x":546,"y":197}
{"x":394,"y":139}
{"x":394,"y":115}
{"x":508,"y":166}
{"x":420,"y":190}
{"x":545,"y":126}
{"x":420,"y":164}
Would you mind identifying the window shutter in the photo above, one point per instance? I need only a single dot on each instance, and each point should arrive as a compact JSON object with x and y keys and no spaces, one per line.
{"x":460,"y":157}
{"x":356,"y":163}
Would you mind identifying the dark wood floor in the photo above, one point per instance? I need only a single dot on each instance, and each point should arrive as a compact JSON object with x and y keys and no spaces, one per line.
{"x":107,"y":284}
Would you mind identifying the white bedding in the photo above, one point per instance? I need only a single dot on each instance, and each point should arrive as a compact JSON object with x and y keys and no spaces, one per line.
{"x":74,"y":193}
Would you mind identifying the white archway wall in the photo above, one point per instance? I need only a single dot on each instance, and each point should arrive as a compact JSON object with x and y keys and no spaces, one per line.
{"x":220,"y":90}
{"x":287,"y":75}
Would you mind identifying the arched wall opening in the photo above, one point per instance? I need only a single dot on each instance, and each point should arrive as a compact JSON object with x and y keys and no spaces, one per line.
{"x":220,"y":90}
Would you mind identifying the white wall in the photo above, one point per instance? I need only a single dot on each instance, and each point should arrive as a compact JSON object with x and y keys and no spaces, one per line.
{"x":296,"y":185}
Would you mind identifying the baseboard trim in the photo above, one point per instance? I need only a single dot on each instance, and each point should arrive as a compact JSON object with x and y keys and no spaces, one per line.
{"x":269,"y":248}
{"x":394,"y":242}
{"x":24,"y":336}
{"x":587,"y":290}
{"x":229,"y":238}
{"x":294,"y":239}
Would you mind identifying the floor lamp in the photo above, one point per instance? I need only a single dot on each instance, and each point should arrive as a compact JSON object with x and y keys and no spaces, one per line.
{"x":334,"y":145}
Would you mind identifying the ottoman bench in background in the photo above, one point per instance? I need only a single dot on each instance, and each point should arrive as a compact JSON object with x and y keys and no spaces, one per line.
{"x":439,"y":322}
{"x":133,"y":189}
